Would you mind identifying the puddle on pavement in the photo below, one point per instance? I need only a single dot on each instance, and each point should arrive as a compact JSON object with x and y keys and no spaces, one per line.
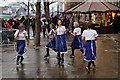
{"x":112,"y":50}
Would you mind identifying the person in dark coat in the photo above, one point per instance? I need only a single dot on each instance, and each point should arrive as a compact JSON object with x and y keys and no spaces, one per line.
{"x":25,"y":22}
{"x":116,"y":24}
{"x":16,"y":24}
{"x":11,"y":21}
{"x":33,"y":25}
{"x":54,"y":20}
{"x":48,"y":25}
{"x":0,"y":23}
{"x":22,"y":19}
{"x":3,"y":23}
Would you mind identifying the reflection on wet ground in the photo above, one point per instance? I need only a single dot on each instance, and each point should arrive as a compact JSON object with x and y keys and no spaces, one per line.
{"x":36,"y":66}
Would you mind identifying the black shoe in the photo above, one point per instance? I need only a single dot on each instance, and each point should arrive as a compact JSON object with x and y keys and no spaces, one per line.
{"x":21,"y":59}
{"x":57,"y":57}
{"x":71,"y":56}
{"x":17,"y":63}
{"x":46,"y":56}
{"x":54,"y":50}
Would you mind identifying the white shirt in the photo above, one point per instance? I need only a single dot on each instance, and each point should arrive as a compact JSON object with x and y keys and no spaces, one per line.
{"x":77,"y":31}
{"x":51,"y":36}
{"x":43,"y":18}
{"x":89,"y":34}
{"x":21,"y":36}
{"x":60,"y":31}
{"x":44,"y":23}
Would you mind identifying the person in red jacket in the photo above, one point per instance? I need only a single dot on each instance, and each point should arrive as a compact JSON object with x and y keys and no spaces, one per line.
{"x":16,"y":24}
{"x":8,"y":25}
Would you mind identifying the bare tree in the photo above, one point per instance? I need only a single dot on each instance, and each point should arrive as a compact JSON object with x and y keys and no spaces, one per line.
{"x":37,"y":24}
{"x":46,"y":9}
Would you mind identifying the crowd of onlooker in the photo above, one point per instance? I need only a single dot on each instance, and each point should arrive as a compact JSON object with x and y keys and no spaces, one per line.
{"x":13,"y":23}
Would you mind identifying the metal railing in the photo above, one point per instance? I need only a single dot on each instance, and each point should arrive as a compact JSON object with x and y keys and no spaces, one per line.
{"x":7,"y":36}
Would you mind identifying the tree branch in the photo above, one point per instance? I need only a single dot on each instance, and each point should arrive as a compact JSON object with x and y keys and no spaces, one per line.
{"x":51,"y":3}
{"x":24,"y":4}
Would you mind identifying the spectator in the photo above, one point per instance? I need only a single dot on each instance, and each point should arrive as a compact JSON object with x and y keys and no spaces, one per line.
{"x":54,"y":20}
{"x":0,"y":23}
{"x":22,"y":19}
{"x":3,"y":23}
{"x":8,"y":25}
{"x":25,"y":22}
{"x":17,"y":23}
{"x":11,"y":21}
{"x":116,"y":24}
{"x":44,"y":24}
{"x":40,"y":25}
{"x":48,"y":25}
{"x":33,"y":25}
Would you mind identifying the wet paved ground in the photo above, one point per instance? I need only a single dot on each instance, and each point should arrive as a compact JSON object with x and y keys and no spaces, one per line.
{"x":35,"y":66}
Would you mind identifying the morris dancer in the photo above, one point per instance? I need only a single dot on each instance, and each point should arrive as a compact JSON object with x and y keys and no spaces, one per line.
{"x":77,"y":41}
{"x":90,"y":36}
{"x":61,"y":46}
{"x":21,"y":35}
{"x":51,"y":43}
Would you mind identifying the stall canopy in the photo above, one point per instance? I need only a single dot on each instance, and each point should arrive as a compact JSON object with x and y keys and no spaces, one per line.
{"x":94,"y":6}
{"x":71,"y":9}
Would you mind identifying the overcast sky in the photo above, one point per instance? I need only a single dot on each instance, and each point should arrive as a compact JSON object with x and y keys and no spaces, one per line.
{"x":5,"y":3}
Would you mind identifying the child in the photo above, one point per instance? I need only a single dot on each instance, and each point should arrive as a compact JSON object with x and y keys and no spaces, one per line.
{"x":77,"y":41}
{"x":61,"y":46}
{"x":51,"y":43}
{"x":90,"y":36}
{"x":21,"y":35}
